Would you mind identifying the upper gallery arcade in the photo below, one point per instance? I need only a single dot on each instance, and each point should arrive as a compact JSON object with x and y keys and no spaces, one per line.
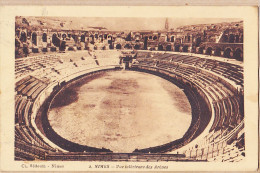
{"x":219,"y":39}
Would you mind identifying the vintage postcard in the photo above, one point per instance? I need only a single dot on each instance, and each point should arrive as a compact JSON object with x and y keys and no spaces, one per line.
{"x":129,"y":88}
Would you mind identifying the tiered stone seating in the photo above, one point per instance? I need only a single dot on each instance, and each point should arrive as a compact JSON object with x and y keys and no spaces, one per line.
{"x":178,"y":58}
{"x":28,"y":65}
{"x":43,"y":71}
{"x":225,"y":102}
{"x":217,"y":147}
{"x":26,"y":148}
{"x":47,"y":69}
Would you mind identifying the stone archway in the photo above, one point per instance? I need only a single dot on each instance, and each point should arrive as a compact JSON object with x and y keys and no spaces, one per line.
{"x":82,"y":38}
{"x":160,"y":47}
{"x":118,"y":46}
{"x":209,"y":51}
{"x":198,"y":41}
{"x":231,"y":38}
{"x":188,"y":38}
{"x":23,"y":37}
{"x":172,"y":38}
{"x":185,"y":49}
{"x":55,"y":40}
{"x":227,"y":53}
{"x":128,"y":46}
{"x":238,"y":54}
{"x":137,"y":47}
{"x":177,"y":48}
{"x":111,"y":46}
{"x":34,"y":39}
{"x":63,"y":46}
{"x":225,"y":38}
{"x":169,"y":48}
{"x":200,"y":51}
{"x":64,"y":36}
{"x":101,"y":37}
{"x":44,"y":37}
{"x":237,"y":38}
{"x":217,"y":52}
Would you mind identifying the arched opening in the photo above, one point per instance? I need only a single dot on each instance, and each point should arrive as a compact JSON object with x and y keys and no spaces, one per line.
{"x":168,"y":38}
{"x":172,"y":38}
{"x":118,"y":46}
{"x":62,"y":46}
{"x":160,"y":47}
{"x":185,"y":49}
{"x":238,"y":54}
{"x":23,"y":37}
{"x":155,"y":37}
{"x":64,"y":36}
{"x":231,"y":38}
{"x":137,"y":38}
{"x":128,"y":37}
{"x":109,"y":39}
{"x":96,"y":36}
{"x":137,"y":47}
{"x":150,"y":37}
{"x":17,"y":32}
{"x":55,"y":40}
{"x":17,"y":43}
{"x":128,"y":46}
{"x":225,"y":38}
{"x":29,"y":35}
{"x":92,"y":39}
{"x":105,"y":36}
{"x":145,"y":42}
{"x":101,"y":37}
{"x":217,"y":52}
{"x":237,"y":38}
{"x":74,"y":38}
{"x":82,"y":38}
{"x":168,"y":48}
{"x":25,"y":51}
{"x":177,"y":48}
{"x":209,"y":51}
{"x":188,"y":38}
{"x":198,"y":41}
{"x":111,"y":46}
{"x":227,"y":53}
{"x":200,"y":51}
{"x":44,"y":37}
{"x":34,"y":39}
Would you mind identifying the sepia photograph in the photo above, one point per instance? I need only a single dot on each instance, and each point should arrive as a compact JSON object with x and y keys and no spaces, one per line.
{"x":126,"y":92}
{"x":95,"y":88}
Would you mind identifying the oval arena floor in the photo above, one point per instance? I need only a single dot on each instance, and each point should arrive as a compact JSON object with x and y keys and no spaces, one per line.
{"x":120,"y":111}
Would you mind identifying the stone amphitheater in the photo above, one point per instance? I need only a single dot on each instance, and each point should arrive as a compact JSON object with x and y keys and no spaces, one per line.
{"x":139,"y":96}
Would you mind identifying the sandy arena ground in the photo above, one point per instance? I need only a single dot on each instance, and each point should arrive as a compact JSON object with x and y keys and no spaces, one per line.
{"x":121,"y":111}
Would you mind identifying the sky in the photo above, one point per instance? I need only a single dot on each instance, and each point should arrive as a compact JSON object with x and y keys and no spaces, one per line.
{"x":139,"y":23}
